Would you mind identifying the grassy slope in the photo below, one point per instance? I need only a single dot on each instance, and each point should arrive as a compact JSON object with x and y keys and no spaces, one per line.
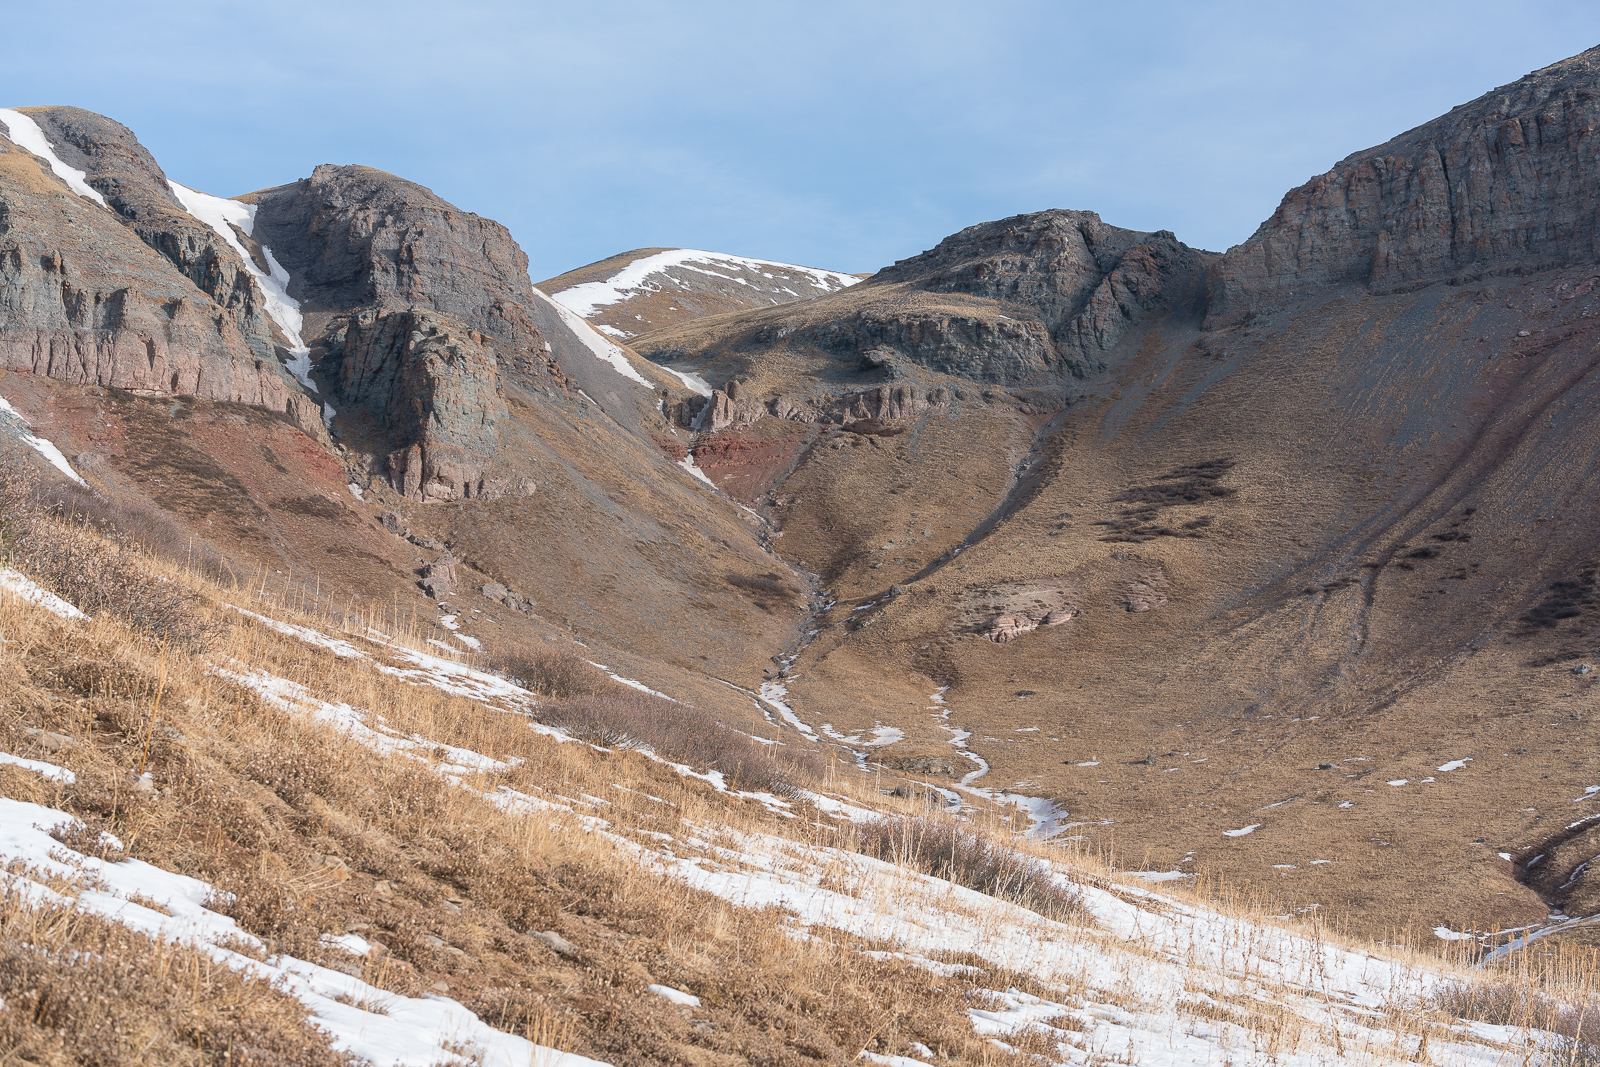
{"x":314,"y":834}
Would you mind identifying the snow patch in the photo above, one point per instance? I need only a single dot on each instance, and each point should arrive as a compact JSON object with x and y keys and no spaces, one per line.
{"x":695,"y":383}
{"x":773,"y":693}
{"x":19,"y":584}
{"x":45,"y":448}
{"x":675,"y":996}
{"x":40,"y":767}
{"x":602,"y":349}
{"x":25,"y":133}
{"x":1456,"y":764}
{"x":1242,"y":831}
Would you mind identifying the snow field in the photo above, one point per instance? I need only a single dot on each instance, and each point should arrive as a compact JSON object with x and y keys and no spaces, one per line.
{"x":636,"y":277}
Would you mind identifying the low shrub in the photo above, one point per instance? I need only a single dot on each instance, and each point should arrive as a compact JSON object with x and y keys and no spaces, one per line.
{"x":625,"y":718}
{"x":131,"y":522}
{"x":550,"y":670}
{"x":97,"y":572}
{"x":1510,"y":1003}
{"x":944,"y":849}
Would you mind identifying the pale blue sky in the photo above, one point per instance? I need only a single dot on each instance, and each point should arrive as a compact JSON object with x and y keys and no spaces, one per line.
{"x":840,"y":135}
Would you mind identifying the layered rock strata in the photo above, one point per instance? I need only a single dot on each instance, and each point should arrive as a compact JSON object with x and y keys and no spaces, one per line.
{"x":1505,"y":184}
{"x":133,"y":295}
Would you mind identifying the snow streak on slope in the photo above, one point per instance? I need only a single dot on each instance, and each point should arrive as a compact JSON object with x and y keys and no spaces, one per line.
{"x":603,"y":349}
{"x":648,"y":275}
{"x":45,"y":448}
{"x":25,"y":133}
{"x":695,"y":383}
{"x":375,"y":1024}
{"x":19,"y":584}
{"x":222,"y":216}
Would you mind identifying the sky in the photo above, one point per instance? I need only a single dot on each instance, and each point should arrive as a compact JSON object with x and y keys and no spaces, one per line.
{"x":844,"y":135}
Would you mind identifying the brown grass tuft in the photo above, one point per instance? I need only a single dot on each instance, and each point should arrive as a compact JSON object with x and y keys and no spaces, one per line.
{"x":80,"y":990}
{"x":936,"y":845}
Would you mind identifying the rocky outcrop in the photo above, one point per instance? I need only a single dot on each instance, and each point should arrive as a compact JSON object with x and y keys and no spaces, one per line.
{"x":1505,"y":184}
{"x":729,"y":406}
{"x":117,"y":166}
{"x":501,"y":595}
{"x":986,"y":346}
{"x":1068,"y":288}
{"x":734,"y":406}
{"x":891,"y":402}
{"x":355,"y":237}
{"x":439,"y":578}
{"x":85,"y":301}
{"x":435,"y":389}
{"x":424,"y":303}
{"x":1007,"y":628}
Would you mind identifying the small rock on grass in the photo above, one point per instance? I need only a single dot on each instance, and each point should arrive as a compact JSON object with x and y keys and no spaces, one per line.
{"x":555,"y":943}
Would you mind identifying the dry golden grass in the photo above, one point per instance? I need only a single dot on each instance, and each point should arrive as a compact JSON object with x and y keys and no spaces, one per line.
{"x":313,"y":834}
{"x":81,"y":990}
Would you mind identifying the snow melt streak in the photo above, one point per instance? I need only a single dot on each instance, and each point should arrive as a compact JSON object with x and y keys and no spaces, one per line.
{"x":25,"y":133}
{"x":222,"y":216}
{"x":602,"y":349}
{"x":45,"y":448}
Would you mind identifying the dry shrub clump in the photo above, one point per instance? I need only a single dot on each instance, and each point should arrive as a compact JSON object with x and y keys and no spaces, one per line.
{"x":80,"y":990}
{"x":624,"y":718}
{"x":1511,"y":1003}
{"x":553,"y":671}
{"x":131,"y":522}
{"x":938,"y":846}
{"x":96,"y":571}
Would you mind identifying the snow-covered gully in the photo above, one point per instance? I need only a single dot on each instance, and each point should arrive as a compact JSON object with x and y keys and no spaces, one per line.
{"x":225,"y":217}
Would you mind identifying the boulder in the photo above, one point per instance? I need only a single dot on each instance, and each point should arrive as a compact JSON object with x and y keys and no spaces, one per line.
{"x":555,"y":943}
{"x":1007,"y":628}
{"x":439,"y":577}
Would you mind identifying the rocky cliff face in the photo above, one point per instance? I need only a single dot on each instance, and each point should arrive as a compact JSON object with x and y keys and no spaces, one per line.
{"x":1033,"y":299}
{"x":136,"y":294}
{"x":420,"y":302}
{"x":133,"y":184}
{"x":1079,"y":283}
{"x":1505,"y":184}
